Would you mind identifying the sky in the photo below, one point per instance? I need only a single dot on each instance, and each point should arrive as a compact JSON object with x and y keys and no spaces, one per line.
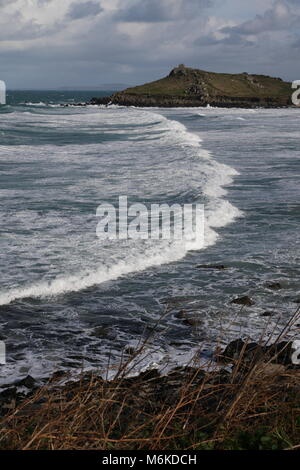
{"x":66,"y":43}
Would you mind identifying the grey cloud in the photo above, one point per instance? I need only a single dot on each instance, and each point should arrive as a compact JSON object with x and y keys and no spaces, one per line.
{"x":279,"y":17}
{"x":29,"y":31}
{"x":6,"y":2}
{"x":78,"y":11}
{"x":296,"y":44}
{"x":233,"y":39}
{"x":151,"y":11}
{"x":136,"y":58}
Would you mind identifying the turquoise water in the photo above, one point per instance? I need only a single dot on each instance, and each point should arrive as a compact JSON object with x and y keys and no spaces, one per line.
{"x":68,"y":300}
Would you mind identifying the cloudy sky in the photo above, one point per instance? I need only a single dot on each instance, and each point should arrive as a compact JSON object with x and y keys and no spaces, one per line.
{"x":54,"y":43}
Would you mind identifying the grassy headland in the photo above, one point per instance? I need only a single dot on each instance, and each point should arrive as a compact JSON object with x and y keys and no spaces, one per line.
{"x":192,"y":87}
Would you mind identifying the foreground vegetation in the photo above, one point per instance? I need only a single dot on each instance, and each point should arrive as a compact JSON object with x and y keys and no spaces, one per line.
{"x":250,"y":400}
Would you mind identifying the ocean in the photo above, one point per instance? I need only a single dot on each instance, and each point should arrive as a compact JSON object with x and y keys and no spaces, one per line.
{"x":71,"y":302}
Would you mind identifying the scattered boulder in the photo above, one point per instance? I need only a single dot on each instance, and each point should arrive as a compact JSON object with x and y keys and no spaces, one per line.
{"x":239,"y":350}
{"x":191,"y":321}
{"x":233,"y":350}
{"x":181,"y":314}
{"x":28,"y":382}
{"x":254,"y":352}
{"x":8,"y":394}
{"x":249,"y":353}
{"x":281,"y":353}
{"x":58,"y":375}
{"x":103,"y":332}
{"x":245,"y":300}
{"x":274,"y":285}
{"x":131,"y":351}
{"x":8,"y":400}
{"x":151,"y":374}
{"x":267,"y":314}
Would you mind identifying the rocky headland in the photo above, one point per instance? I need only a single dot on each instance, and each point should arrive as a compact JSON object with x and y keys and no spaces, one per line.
{"x":188,"y":87}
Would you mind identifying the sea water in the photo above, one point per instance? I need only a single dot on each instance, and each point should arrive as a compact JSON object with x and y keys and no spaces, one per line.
{"x":69,"y":301}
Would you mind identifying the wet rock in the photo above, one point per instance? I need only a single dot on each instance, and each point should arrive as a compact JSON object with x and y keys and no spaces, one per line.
{"x":102,"y":100}
{"x":59,"y":374}
{"x":212,"y":266}
{"x":274,"y":285}
{"x":267,"y":314}
{"x":239,"y":350}
{"x":245,"y":300}
{"x":9,"y":399}
{"x":151,"y":374}
{"x":191,"y":321}
{"x":281,"y":353}
{"x":103,"y":332}
{"x":130,"y":350}
{"x":233,"y":350}
{"x":254,"y":352}
{"x":28,"y":382}
{"x":8,"y":394}
{"x":296,"y":301}
{"x":181,"y":314}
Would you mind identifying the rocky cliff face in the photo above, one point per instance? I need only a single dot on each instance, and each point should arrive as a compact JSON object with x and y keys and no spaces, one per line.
{"x":186,"y":87}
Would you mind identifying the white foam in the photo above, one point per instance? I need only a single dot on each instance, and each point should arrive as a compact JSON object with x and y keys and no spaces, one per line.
{"x":103,"y":274}
{"x":211,"y":179}
{"x":34,"y":104}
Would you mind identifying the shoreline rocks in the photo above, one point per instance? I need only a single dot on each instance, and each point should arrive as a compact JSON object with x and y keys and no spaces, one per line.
{"x":144,"y":101}
{"x":248,"y":353}
{"x":245,"y":301}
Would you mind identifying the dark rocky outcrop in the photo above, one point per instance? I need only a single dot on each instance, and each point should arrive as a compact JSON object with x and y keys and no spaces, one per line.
{"x":250,"y":353}
{"x":245,"y":300}
{"x":246,"y":352}
{"x":28,"y":382}
{"x":274,"y":285}
{"x":267,"y":314}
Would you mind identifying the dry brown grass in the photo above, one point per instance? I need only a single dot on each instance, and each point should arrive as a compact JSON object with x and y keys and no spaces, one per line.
{"x":256,"y":406}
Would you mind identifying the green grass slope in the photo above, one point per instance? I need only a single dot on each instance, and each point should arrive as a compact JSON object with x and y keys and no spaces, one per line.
{"x":193,"y":85}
